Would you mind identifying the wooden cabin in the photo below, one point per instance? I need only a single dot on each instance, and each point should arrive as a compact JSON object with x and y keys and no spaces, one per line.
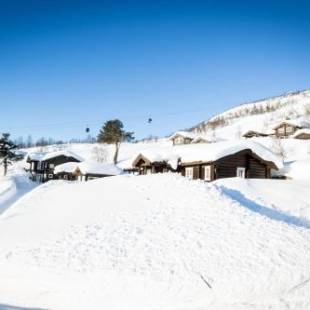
{"x":286,"y":129}
{"x":42,"y":165}
{"x":254,"y":134}
{"x":181,"y":137}
{"x":145,"y":165}
{"x":211,"y":161}
{"x":243,"y":164}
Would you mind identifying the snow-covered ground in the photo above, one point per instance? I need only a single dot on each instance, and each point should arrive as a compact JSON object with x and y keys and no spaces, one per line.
{"x":155,"y":242}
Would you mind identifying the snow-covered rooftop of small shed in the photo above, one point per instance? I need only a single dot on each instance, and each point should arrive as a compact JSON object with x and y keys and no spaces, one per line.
{"x":60,"y":153}
{"x":301,"y":131}
{"x":92,"y":167}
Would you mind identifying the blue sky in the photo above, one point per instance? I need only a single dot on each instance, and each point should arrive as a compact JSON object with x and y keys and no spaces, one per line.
{"x":68,"y":64}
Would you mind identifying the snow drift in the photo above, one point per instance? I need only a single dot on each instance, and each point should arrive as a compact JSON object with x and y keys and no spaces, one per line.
{"x":149,"y":242}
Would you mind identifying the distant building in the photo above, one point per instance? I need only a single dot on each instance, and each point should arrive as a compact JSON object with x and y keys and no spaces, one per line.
{"x":288,"y":128}
{"x":182,"y":137}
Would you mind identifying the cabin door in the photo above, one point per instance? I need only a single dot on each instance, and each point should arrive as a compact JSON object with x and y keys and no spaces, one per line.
{"x":241,"y":172}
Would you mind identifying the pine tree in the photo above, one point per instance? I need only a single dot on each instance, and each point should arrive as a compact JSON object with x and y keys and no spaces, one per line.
{"x":6,"y":154}
{"x":112,"y":132}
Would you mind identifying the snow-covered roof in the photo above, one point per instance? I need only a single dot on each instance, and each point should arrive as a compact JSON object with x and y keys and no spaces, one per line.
{"x":301,"y":131}
{"x":214,"y":151}
{"x":66,"y":153}
{"x":92,"y":167}
{"x":207,"y":152}
{"x":184,"y":134}
{"x":199,"y":138}
{"x":36,"y":156}
{"x":302,"y":123}
{"x":69,"y":167}
{"x":88,"y":167}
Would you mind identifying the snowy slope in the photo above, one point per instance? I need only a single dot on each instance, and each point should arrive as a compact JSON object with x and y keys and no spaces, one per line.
{"x":149,"y":242}
{"x":259,"y":115}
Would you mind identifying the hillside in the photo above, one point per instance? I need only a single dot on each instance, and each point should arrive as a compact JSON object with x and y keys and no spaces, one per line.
{"x":164,"y":243}
{"x":260,"y":115}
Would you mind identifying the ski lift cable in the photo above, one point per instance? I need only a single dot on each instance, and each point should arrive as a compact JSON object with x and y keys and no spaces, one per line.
{"x":95,"y":122}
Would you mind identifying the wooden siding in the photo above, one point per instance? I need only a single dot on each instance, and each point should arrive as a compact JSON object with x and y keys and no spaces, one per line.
{"x":226,"y":167}
{"x":285,"y":130}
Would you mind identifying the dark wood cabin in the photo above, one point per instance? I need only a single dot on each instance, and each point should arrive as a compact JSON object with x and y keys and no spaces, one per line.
{"x":254,"y":134}
{"x":48,"y":165}
{"x":145,"y":166}
{"x":42,"y":170}
{"x":285,"y":129}
{"x":244,"y":164}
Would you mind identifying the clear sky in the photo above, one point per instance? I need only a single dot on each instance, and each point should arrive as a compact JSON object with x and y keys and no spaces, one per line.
{"x":68,"y":64}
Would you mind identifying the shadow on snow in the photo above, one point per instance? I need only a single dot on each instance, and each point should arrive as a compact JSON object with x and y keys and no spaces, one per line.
{"x":270,"y":213}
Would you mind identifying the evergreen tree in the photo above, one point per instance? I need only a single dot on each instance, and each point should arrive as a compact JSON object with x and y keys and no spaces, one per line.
{"x":112,"y":132}
{"x":6,"y":154}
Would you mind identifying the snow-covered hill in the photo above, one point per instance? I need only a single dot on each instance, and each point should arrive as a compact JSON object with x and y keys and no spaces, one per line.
{"x":259,"y":115}
{"x":151,"y":242}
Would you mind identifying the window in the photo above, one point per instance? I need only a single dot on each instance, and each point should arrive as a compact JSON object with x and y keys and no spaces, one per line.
{"x":65,"y":177}
{"x":189,"y":172}
{"x":207,"y":170}
{"x":39,"y":165}
{"x":51,"y":166}
{"x":281,"y":130}
{"x":241,"y":172}
{"x":50,"y":176}
{"x":289,"y":129}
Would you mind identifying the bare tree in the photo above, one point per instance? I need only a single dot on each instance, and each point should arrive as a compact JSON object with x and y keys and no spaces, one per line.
{"x":99,"y":154}
{"x":278,"y":149}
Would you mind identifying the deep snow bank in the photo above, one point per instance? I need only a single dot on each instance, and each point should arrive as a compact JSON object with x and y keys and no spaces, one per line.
{"x":149,"y":242}
{"x":13,"y":186}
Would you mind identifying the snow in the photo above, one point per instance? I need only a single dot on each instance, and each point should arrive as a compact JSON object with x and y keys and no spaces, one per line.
{"x":300,"y":122}
{"x":88,"y":167}
{"x":185,"y":134}
{"x":298,"y":169}
{"x":150,"y":242}
{"x":163,"y":241}
{"x":215,"y":151}
{"x":293,"y":107}
{"x":92,"y":167}
{"x":283,"y":198}
{"x":301,"y":131}
{"x":65,"y":153}
{"x":69,"y":167}
{"x":207,"y":152}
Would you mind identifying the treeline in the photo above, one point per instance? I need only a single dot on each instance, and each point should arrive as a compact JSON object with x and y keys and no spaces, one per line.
{"x":30,"y":142}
